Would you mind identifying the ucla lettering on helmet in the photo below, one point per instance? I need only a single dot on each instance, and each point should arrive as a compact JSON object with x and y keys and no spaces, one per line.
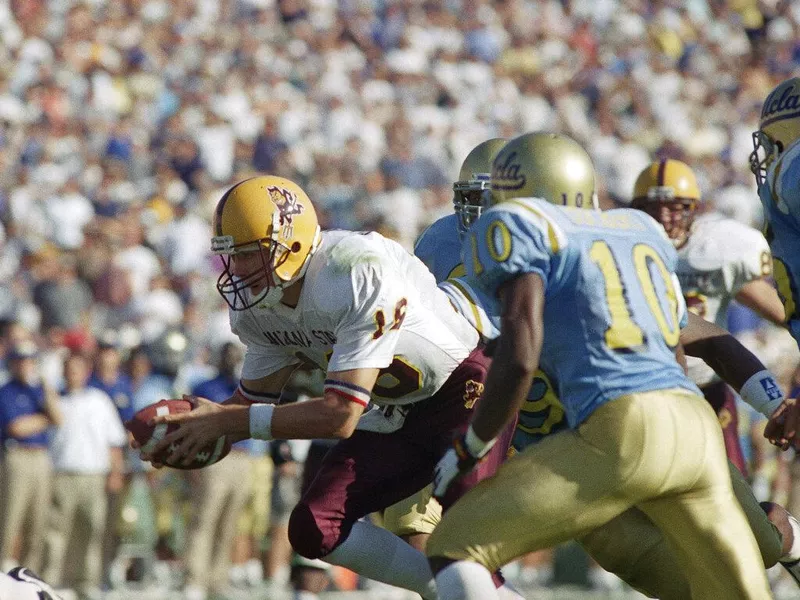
{"x":550,"y":166}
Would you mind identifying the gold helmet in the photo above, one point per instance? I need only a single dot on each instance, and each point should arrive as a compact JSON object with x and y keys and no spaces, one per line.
{"x":473,"y":179}
{"x":779,"y":127}
{"x":550,"y":166}
{"x":273,"y":217}
{"x":667,"y":190}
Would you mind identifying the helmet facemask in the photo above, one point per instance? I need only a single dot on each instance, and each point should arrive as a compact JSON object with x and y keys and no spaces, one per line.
{"x":468,"y":200}
{"x":764,"y":152}
{"x":675,"y":214}
{"x":237,"y":290}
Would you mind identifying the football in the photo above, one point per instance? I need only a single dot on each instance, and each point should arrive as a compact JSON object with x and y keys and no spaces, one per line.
{"x":149,"y":435}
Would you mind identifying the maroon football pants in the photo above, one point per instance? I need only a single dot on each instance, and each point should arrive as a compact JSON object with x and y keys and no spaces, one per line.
{"x":369,"y":472}
{"x":722,"y":399}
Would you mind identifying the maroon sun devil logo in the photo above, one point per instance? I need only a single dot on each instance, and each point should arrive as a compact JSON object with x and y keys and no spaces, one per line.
{"x":473,"y":390}
{"x":696,"y":303}
{"x":287,"y":204}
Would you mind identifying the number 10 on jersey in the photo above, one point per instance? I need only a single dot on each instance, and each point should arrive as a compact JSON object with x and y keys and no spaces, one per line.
{"x":623,"y":333}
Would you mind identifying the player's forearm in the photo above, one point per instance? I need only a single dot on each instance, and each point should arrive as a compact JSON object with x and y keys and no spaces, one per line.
{"x":516,"y":357}
{"x":729,"y":359}
{"x":761,"y":297}
{"x":329,"y":417}
{"x":740,"y":369}
{"x":319,"y":418}
{"x":509,"y":380}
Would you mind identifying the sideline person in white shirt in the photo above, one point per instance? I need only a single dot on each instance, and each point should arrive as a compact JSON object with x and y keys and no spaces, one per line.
{"x":87,"y":460}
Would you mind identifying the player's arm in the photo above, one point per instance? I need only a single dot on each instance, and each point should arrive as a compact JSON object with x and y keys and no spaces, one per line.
{"x":760,"y":297}
{"x":516,"y":356}
{"x":333,"y":416}
{"x":751,"y":265}
{"x":733,"y":362}
{"x":744,"y":372}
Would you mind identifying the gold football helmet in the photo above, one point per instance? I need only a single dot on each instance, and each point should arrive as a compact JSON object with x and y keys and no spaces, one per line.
{"x":273,"y":217}
{"x":779,"y":127}
{"x":473,"y":179}
{"x":667,"y":190}
{"x":550,"y":166}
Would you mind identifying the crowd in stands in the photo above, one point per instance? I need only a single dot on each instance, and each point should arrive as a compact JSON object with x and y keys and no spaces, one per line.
{"x":123,"y":121}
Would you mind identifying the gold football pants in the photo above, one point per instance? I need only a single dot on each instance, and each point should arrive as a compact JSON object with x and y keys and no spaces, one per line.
{"x":633,"y":548}
{"x":419,"y":513}
{"x":661,"y":452}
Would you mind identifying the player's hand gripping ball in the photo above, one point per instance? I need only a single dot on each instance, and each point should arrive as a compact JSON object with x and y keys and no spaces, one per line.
{"x":147,"y":435}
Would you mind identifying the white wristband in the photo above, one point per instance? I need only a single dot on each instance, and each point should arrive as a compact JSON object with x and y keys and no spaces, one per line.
{"x":762,"y":393}
{"x":261,"y":421}
{"x":475,"y":445}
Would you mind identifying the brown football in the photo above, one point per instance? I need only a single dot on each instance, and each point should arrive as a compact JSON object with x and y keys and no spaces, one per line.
{"x":148,"y":435}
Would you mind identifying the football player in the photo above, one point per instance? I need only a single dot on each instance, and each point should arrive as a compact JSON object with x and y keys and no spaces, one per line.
{"x":719,"y":260}
{"x":439,"y":248}
{"x":630,"y":545}
{"x":593,"y":295}
{"x":775,"y":162}
{"x":362,"y":308}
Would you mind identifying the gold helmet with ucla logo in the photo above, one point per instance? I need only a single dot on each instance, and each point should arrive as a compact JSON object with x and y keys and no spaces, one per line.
{"x":779,"y":127}
{"x":550,"y":166}
{"x":274,"y":217}
{"x":473,"y":179}
{"x":667,"y":190}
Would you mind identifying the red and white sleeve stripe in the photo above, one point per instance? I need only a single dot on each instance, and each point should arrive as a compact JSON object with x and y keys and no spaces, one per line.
{"x":350,"y":391}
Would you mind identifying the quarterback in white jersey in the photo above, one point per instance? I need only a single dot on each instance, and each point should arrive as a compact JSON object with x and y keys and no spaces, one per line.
{"x":719,"y":260}
{"x":366,"y":303}
{"x":360,"y":307}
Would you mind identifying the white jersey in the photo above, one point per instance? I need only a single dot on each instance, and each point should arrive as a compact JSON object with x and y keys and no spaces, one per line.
{"x":720,"y":257}
{"x":365,"y":303}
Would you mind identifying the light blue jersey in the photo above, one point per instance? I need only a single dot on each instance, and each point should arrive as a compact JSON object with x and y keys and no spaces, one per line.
{"x":780,"y":196}
{"x":613,"y":306}
{"x":439,"y":247}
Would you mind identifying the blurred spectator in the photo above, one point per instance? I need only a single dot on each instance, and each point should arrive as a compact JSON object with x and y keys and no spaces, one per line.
{"x":251,"y":530}
{"x":63,"y":298}
{"x":87,"y":460}
{"x":268,"y":147}
{"x":108,"y":376}
{"x":220,"y":492}
{"x":27,"y":411}
{"x":285,"y":495}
